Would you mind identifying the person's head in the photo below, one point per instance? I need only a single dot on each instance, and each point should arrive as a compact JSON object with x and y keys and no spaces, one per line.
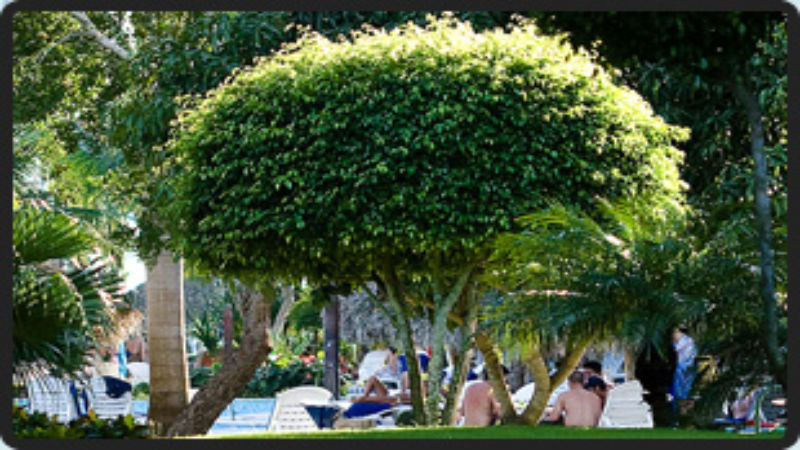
{"x":677,"y":333}
{"x":596,"y":385}
{"x":575,"y":379}
{"x":392,"y":350}
{"x":593,"y":368}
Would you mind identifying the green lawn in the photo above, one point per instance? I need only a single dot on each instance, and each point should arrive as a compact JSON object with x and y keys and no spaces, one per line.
{"x":505,"y":432}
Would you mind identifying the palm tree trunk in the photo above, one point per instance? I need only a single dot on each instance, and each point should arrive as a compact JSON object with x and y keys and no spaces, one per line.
{"x":169,"y":378}
{"x":491,"y":363}
{"x":542,"y":388}
{"x":235,"y":373}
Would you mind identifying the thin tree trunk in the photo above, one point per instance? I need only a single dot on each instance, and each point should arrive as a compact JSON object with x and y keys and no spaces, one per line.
{"x":287,"y":300}
{"x":393,"y":293}
{"x":443,"y":308}
{"x":491,"y":364}
{"x":542,"y":388}
{"x":630,"y":363}
{"x":764,"y":228}
{"x":462,"y":357}
{"x":235,"y":373}
{"x":331,"y":324}
{"x":166,"y":334}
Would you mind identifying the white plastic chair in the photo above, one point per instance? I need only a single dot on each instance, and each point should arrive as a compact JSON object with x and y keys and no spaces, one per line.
{"x":104,"y":406}
{"x":140,"y":372}
{"x":522,"y":397}
{"x":625,"y":408}
{"x":290,"y":412}
{"x":51,"y":395}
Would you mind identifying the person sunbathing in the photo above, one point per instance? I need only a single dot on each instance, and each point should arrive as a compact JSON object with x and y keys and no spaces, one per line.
{"x":376,"y":398}
{"x":581,"y":407}
{"x":377,"y":392}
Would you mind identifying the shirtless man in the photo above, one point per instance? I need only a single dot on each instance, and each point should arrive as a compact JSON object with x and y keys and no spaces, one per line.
{"x":582,"y":408}
{"x":479,"y":407}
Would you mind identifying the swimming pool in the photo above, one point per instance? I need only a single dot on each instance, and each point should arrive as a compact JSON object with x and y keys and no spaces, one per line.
{"x":243,"y":415}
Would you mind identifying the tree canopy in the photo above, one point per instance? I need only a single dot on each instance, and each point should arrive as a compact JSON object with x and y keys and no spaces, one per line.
{"x":404,"y":143}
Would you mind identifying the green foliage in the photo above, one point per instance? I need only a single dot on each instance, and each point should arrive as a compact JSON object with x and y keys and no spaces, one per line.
{"x":62,"y":299}
{"x":273,"y":378}
{"x":198,"y":376}
{"x":38,"y":425}
{"x":141,"y":391}
{"x":206,"y":328}
{"x":403,"y":143}
{"x":625,"y":276}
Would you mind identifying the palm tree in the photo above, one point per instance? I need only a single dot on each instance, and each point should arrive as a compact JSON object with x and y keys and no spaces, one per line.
{"x":583,"y":279}
{"x":63,"y":299}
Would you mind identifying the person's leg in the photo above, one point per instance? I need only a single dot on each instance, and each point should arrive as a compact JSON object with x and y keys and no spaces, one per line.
{"x":375,"y":385}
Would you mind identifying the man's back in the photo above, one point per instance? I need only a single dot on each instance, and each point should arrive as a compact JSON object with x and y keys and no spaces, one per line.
{"x":583,"y":408}
{"x":478,"y":405}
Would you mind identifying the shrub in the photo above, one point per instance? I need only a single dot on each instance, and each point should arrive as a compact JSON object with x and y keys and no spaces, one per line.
{"x":39,"y":425}
{"x":273,"y":378}
{"x":141,"y":390}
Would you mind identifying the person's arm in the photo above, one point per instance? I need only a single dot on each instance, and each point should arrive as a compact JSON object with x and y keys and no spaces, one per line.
{"x":555,"y":414}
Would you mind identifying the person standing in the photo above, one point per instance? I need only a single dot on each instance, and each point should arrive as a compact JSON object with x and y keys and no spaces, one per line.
{"x":684,"y":371}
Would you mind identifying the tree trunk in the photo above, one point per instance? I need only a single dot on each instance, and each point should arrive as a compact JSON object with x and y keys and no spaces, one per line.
{"x":630,"y":363}
{"x":331,"y":324}
{"x":491,"y":364}
{"x":169,"y":378}
{"x":542,"y":388}
{"x":764,"y":228}
{"x":461,"y":359}
{"x":287,"y":300}
{"x":443,"y":308}
{"x":235,"y":373}
{"x":393,"y":293}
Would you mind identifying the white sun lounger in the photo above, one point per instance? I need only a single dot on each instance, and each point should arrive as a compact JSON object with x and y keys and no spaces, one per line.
{"x":104,"y":406}
{"x":290,"y":412}
{"x":51,"y":396}
{"x":625,"y":408}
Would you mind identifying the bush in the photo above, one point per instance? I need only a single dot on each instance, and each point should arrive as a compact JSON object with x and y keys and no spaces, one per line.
{"x":141,"y":391}
{"x":39,"y":425}
{"x":273,"y":378}
{"x":198,"y":376}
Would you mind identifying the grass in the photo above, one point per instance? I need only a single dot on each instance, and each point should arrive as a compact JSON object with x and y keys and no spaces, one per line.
{"x":505,"y":432}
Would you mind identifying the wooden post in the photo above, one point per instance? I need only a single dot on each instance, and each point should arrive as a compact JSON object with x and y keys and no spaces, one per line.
{"x":331,"y":324}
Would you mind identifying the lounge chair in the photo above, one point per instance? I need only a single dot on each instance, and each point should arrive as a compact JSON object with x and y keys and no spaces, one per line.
{"x":106,"y":406}
{"x":625,"y":408}
{"x":290,"y":413}
{"x":52,"y":396}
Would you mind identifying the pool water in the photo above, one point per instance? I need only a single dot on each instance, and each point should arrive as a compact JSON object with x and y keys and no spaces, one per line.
{"x":243,"y":415}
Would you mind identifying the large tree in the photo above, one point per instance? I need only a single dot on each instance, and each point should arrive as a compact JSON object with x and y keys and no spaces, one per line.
{"x":396,"y":157}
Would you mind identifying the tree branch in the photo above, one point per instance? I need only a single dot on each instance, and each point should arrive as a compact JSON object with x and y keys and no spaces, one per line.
{"x":101,"y":38}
